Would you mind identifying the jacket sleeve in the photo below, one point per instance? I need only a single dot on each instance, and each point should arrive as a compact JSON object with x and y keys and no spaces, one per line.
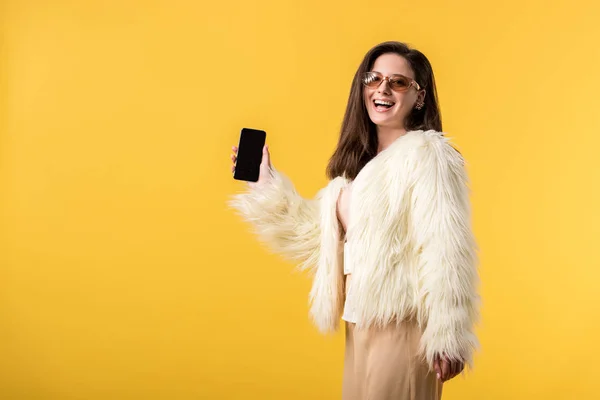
{"x":284,"y":221}
{"x":447,"y":258}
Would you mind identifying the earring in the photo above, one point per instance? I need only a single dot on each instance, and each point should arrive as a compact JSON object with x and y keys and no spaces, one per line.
{"x":419,"y":106}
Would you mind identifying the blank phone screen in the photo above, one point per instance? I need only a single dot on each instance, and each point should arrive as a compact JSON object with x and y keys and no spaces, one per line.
{"x":249,"y":157}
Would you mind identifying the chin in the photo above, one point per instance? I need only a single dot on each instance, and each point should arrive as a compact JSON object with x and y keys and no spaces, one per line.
{"x":384,"y":122}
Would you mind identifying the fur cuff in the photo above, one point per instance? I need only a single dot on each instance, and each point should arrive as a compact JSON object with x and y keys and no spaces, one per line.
{"x":284,"y":221}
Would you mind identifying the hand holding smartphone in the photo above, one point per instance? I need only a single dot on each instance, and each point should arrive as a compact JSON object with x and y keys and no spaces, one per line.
{"x":248,"y":156}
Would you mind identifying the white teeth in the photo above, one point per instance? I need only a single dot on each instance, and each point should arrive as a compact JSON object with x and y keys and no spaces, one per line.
{"x":383,"y":103}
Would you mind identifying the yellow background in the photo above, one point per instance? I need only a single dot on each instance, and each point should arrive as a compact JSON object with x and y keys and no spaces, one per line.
{"x":124,"y":276}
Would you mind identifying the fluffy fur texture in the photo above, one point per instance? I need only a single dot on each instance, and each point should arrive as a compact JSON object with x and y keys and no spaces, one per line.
{"x":283,"y":220}
{"x":410,"y":242}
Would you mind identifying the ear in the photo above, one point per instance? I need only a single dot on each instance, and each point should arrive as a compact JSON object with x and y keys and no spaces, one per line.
{"x":421,"y":96}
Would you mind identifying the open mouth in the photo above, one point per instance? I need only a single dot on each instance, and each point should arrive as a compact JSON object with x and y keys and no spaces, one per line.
{"x":383,"y":105}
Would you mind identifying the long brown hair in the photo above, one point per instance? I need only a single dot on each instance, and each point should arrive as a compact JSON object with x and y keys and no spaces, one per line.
{"x":358,"y":137}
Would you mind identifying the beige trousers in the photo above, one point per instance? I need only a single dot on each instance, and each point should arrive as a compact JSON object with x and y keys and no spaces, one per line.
{"x":382,"y":364}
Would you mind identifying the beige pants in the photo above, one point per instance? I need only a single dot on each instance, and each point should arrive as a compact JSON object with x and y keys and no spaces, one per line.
{"x":382,"y":364}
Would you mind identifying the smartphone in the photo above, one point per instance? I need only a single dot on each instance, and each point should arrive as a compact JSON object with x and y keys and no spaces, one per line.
{"x":249,"y":156}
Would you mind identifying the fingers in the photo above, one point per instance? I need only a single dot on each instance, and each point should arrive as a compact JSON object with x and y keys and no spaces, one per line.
{"x":233,"y":157}
{"x":445,"y":370}
{"x":456,"y":368}
{"x":453,"y":369}
{"x":459,"y":367}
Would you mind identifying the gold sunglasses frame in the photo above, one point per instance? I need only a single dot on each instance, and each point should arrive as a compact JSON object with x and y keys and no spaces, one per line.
{"x":383,"y":78}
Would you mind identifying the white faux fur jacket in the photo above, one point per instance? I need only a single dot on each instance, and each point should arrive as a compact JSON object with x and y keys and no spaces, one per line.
{"x":410,"y":240}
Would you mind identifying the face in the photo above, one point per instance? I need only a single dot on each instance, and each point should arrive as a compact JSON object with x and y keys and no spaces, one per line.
{"x":402,"y":103}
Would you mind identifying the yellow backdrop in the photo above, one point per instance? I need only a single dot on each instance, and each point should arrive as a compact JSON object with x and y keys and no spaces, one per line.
{"x":124,"y":276}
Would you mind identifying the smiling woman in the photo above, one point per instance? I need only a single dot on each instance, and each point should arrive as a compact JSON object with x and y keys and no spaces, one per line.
{"x":397,"y":207}
{"x":401,"y":81}
{"x":398,"y":83}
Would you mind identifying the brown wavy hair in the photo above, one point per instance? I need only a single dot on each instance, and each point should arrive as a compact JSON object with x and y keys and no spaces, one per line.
{"x":358,"y":142}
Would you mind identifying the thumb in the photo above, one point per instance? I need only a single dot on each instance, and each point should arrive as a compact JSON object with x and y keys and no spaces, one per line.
{"x":266,"y":157}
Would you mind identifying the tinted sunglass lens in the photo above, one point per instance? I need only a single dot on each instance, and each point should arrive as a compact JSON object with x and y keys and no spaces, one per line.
{"x":371,"y":80}
{"x":400,"y":83}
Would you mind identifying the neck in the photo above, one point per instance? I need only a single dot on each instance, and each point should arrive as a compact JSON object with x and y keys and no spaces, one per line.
{"x":386,"y":136}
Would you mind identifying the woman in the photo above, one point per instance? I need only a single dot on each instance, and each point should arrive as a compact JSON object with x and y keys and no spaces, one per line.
{"x":389,"y":238}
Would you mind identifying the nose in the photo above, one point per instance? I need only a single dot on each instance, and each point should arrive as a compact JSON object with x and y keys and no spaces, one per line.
{"x":384,"y":86}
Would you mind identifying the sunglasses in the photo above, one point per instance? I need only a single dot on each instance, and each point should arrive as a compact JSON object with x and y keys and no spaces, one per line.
{"x":397,"y":82}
